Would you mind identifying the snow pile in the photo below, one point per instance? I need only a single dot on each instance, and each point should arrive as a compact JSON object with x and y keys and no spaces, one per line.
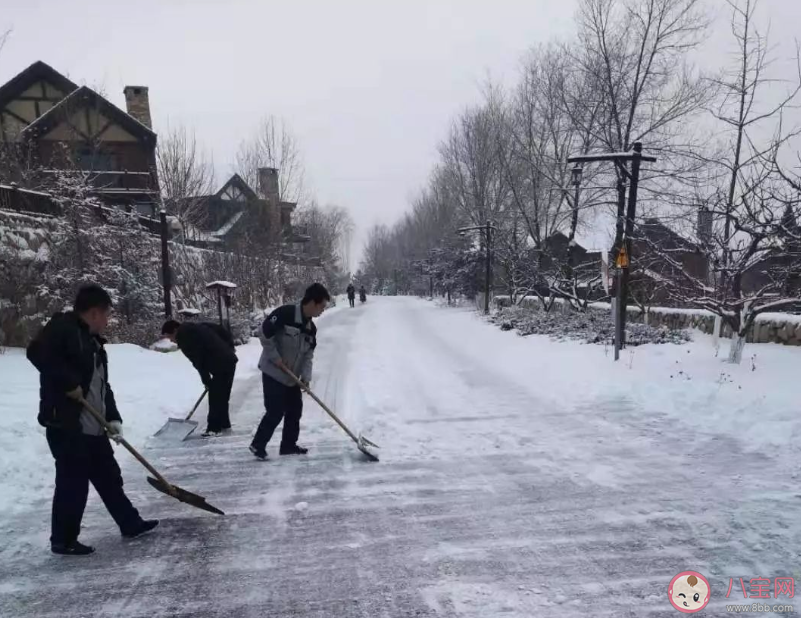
{"x":164,"y":345}
{"x":592,"y":326}
{"x":221,"y":284}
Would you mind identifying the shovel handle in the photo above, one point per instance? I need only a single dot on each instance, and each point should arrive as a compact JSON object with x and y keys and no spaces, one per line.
{"x":100,"y":419}
{"x":309,"y":392}
{"x":188,"y":416}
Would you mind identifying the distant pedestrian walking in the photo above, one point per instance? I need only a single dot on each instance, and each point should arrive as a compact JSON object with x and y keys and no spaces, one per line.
{"x":70,"y":356}
{"x":289,"y":338}
{"x":211,"y":350}
{"x":351,"y":295}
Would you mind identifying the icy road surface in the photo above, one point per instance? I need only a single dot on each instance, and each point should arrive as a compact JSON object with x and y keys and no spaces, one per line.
{"x":497,"y":494}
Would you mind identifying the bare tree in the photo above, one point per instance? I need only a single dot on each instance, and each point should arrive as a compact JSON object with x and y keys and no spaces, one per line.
{"x":186,"y":176}
{"x":635,"y":51}
{"x":273,"y":145}
{"x":471,"y":165}
{"x":326,"y":228}
{"x":753,"y":253}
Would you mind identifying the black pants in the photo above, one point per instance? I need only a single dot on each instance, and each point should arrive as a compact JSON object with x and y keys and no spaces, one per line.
{"x":219,"y":395}
{"x":352,"y":301}
{"x":280,"y":402}
{"x":81,"y":459}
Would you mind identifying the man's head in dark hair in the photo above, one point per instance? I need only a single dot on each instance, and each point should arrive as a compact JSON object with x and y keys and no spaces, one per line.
{"x":93,"y":305}
{"x":315,"y":300}
{"x":170,"y":329}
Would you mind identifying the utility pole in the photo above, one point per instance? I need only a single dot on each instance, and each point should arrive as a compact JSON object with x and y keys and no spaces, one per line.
{"x":624,"y":256}
{"x":621,"y":223}
{"x":488,"y":282}
{"x":631,"y":212}
{"x":165,"y":265}
{"x":487,"y":230}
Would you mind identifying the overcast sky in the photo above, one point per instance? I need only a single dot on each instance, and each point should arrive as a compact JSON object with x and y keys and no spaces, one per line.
{"x":369,"y":86}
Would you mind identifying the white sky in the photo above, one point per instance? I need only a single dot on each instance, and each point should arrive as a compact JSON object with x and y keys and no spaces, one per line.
{"x":369,"y":86}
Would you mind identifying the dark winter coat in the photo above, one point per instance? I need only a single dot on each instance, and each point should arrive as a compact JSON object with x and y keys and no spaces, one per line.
{"x":209,"y":347}
{"x":64,"y":354}
{"x":351,"y":291}
{"x":289,"y":335}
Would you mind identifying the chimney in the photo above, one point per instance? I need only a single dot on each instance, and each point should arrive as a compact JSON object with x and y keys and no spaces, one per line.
{"x":268,"y":184}
{"x":704,"y":231}
{"x":137,"y":102}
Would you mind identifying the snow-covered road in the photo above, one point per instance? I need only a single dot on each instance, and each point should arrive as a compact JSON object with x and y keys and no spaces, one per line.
{"x":493,"y":497}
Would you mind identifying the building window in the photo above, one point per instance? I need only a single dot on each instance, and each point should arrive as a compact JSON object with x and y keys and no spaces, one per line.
{"x":94,"y":160}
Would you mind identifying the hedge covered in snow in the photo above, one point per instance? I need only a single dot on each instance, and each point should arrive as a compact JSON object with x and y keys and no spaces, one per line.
{"x":593,"y":326}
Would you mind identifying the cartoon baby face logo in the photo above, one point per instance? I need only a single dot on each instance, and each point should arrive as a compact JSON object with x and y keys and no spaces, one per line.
{"x":689,"y":592}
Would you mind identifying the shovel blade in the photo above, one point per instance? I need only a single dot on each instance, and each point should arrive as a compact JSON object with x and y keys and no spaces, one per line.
{"x":363,"y":445}
{"x":185,"y":496}
{"x":365,"y":442}
{"x":176,"y":429}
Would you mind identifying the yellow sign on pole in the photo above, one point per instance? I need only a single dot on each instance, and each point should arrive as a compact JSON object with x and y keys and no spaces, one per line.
{"x":622,"y":258}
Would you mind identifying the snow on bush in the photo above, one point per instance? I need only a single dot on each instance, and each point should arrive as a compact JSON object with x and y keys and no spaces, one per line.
{"x":592,"y":326}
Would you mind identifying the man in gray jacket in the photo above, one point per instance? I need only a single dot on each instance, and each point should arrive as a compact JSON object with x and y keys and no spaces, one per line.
{"x":288,"y":337}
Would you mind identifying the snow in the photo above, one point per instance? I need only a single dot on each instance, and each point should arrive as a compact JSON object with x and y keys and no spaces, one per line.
{"x":194,"y":233}
{"x":788,"y":318}
{"x":164,"y":345}
{"x":221,"y":284}
{"x":13,"y":186}
{"x":222,"y":231}
{"x":518,"y":477}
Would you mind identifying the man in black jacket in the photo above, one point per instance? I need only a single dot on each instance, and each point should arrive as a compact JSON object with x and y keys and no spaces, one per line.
{"x":73,"y":365}
{"x":211,"y":350}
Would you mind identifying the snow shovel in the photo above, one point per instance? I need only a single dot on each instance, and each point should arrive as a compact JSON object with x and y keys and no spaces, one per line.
{"x":180,"y":428}
{"x":159,"y":482}
{"x":362,"y":443}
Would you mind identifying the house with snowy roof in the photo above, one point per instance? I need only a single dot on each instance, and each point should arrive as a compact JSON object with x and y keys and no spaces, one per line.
{"x":236,"y":211}
{"x":50,"y":124}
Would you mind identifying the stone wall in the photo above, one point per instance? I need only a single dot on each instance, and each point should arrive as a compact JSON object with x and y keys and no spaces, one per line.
{"x":768,"y":328}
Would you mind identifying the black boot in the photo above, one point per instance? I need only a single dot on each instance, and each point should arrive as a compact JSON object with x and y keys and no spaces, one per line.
{"x":145,"y":526}
{"x":259,"y":452}
{"x":71,"y":549}
{"x":293,"y":449}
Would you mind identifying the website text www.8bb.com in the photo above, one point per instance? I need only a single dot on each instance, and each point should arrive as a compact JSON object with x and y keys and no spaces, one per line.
{"x":759,"y":607}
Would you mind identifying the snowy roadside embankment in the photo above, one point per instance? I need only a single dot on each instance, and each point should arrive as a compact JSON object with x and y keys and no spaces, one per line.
{"x":756,"y":402}
{"x":149,"y":387}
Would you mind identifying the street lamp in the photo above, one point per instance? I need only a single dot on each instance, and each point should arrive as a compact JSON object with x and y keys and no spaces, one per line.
{"x":619,"y":158}
{"x":165,"y":263}
{"x":485,"y":229}
{"x":575,"y":174}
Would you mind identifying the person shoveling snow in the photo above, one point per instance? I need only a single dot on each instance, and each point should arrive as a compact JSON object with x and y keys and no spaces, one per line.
{"x":289,"y":338}
{"x":211,"y":350}
{"x":71,"y":359}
